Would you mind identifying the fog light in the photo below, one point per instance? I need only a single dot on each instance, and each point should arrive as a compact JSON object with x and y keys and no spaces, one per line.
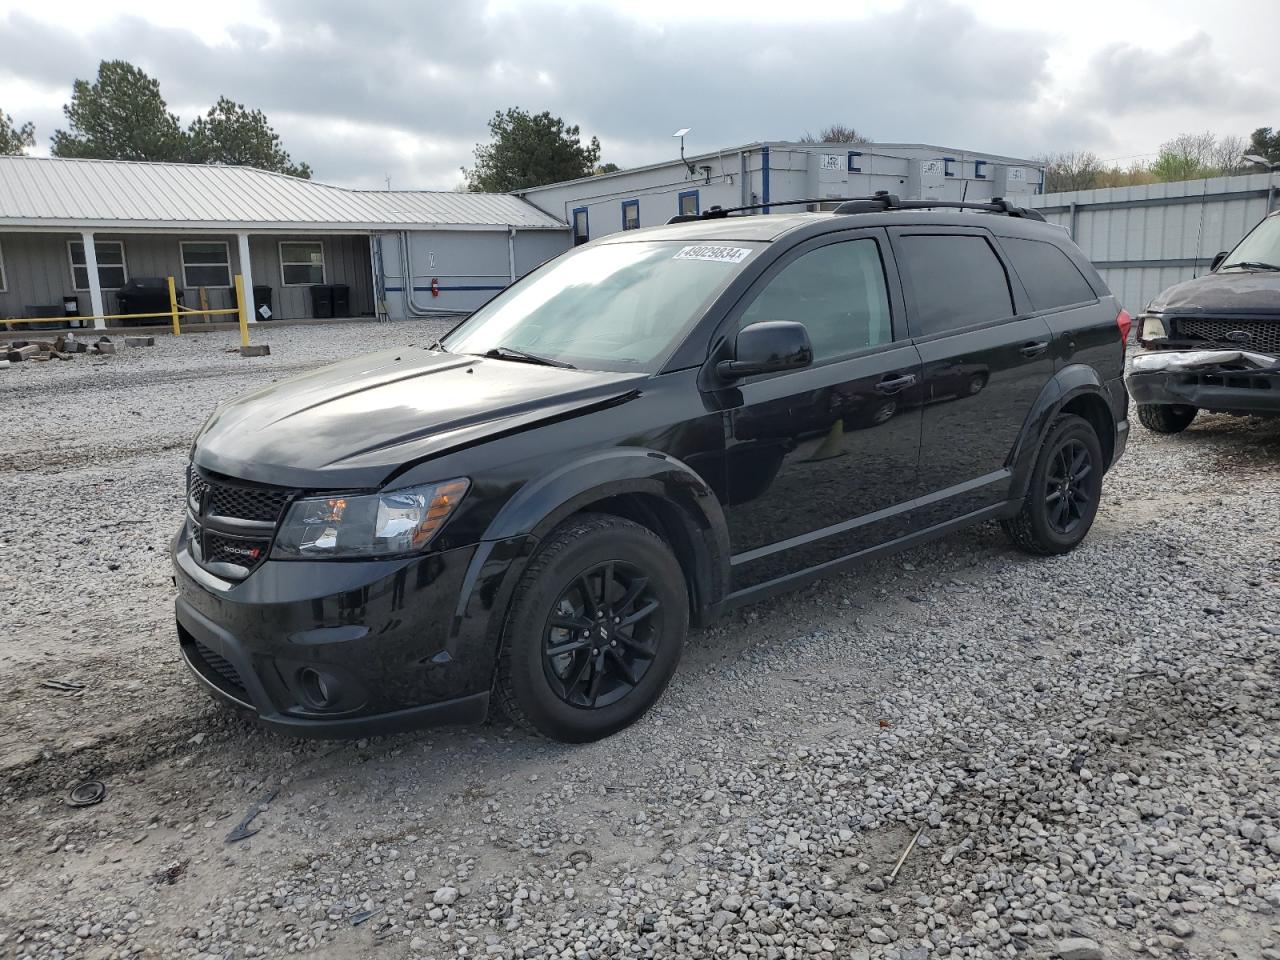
{"x":320,"y":689}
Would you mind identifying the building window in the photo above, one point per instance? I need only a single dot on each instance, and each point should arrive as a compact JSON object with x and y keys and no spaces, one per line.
{"x":630,"y":214}
{"x":979,"y":168}
{"x":581,"y":226}
{"x":301,"y":264}
{"x":112,"y":273}
{"x":687,"y":203}
{"x":946,"y":166}
{"x":853,"y":161}
{"x":206,"y":263}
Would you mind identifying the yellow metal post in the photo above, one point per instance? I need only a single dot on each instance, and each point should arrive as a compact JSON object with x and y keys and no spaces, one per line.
{"x":173,"y":307}
{"x":244,"y":311}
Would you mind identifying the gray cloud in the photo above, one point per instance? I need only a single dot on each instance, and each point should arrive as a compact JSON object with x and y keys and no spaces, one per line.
{"x":406,"y":88}
{"x":1125,"y":79}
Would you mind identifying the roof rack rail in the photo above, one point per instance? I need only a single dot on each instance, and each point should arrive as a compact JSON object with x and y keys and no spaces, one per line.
{"x":883,"y":200}
{"x":879,"y":202}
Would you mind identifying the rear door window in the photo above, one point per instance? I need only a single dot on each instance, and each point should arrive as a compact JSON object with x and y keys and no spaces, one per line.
{"x":1050,"y":278}
{"x":956,"y":281}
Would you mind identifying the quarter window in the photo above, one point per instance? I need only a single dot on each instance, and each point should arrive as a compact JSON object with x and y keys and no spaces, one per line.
{"x":301,"y":264}
{"x":206,"y":263}
{"x":956,"y":281}
{"x":1048,"y":274}
{"x":112,"y":272}
{"x":838,"y":292}
{"x":630,"y":214}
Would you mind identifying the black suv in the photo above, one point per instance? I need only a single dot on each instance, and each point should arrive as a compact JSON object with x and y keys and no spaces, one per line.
{"x":644,"y":433}
{"x":1213,"y":343}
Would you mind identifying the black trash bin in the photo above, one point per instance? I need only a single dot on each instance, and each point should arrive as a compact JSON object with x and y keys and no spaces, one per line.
{"x":341,"y":300}
{"x":261,"y":299}
{"x":322,"y":301}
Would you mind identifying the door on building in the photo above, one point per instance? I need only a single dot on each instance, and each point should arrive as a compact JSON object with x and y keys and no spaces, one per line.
{"x":817,"y":459}
{"x":984,"y":364}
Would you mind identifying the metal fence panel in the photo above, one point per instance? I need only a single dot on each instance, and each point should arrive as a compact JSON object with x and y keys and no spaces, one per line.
{"x":1145,"y":238}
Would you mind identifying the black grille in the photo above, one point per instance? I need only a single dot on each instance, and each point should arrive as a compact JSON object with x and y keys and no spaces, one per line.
{"x":1259,"y":335}
{"x":218,"y":666}
{"x":232,"y":524}
{"x":240,"y":551}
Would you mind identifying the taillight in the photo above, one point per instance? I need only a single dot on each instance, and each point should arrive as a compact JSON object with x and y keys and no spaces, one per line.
{"x":1124,"y":322}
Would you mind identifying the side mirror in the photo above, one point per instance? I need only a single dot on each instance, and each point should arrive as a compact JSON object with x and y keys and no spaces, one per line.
{"x":1217,"y":260}
{"x":768,"y":347}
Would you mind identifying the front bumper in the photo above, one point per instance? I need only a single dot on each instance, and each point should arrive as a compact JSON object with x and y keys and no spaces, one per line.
{"x":1229,"y":381}
{"x":337,"y":649}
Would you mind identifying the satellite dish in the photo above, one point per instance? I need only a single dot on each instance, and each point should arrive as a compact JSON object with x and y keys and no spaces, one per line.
{"x":681,"y":132}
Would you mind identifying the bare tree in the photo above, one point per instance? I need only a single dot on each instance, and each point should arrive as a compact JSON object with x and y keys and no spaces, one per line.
{"x":1071,"y":170}
{"x":1228,"y":154}
{"x":835,"y":133}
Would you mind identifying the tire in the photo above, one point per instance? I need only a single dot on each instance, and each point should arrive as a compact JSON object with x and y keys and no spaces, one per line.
{"x":1166,"y":417}
{"x":1058,"y":512}
{"x":610,"y":668}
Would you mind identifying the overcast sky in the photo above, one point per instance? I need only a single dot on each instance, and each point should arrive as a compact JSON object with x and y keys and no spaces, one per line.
{"x":404,"y":89}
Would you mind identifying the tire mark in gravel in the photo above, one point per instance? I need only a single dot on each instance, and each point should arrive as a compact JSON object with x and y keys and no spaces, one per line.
{"x":56,"y":460}
{"x":117,"y":380}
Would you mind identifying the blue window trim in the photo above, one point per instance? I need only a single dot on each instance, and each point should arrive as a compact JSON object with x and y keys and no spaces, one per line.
{"x":586,"y":216}
{"x":946,"y":166}
{"x":630,"y":203}
{"x":764,"y":179}
{"x":697,"y":201}
{"x":977,"y":169}
{"x":853,"y":167}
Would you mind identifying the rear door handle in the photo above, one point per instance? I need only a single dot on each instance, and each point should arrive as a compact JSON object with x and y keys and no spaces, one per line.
{"x":1034,"y":348}
{"x":896,"y":384}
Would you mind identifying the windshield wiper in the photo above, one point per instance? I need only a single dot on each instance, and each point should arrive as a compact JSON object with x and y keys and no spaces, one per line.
{"x":1252,"y":265}
{"x":510,"y":353}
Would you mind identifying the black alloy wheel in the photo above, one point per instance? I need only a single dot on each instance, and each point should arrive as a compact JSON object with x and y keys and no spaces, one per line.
{"x":1064,"y":490}
{"x":1069,"y":490}
{"x":601,"y":637}
{"x":594,"y":631}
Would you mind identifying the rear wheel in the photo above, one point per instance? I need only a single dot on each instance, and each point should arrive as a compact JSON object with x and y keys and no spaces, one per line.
{"x":596,"y":628}
{"x":1066,"y":485}
{"x":1166,"y":417}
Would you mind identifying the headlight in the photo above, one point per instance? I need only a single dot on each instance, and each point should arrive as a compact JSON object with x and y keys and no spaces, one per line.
{"x":1152,"y":329}
{"x":376,"y":525}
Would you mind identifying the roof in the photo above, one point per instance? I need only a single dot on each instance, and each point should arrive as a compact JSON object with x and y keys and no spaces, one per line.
{"x":55,"y":192}
{"x":873,"y":149}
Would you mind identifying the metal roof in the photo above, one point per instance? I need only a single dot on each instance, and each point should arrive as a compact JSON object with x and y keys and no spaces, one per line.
{"x":112,"y":194}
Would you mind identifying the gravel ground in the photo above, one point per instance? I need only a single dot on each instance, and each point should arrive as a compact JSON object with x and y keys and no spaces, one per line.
{"x":1084,"y":749}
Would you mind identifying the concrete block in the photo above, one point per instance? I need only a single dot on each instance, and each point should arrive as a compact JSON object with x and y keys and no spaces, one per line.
{"x":107,"y":349}
{"x":139,"y":341}
{"x":256,"y":350}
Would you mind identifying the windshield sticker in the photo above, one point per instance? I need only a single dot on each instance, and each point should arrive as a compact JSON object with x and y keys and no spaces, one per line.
{"x":710,"y":251}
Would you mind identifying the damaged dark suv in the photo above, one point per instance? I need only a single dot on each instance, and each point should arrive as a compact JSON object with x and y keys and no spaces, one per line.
{"x":644,"y":433}
{"x":1213,"y":343}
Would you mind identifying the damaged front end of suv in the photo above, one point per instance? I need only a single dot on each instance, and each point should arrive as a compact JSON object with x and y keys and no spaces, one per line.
{"x":1213,"y":343}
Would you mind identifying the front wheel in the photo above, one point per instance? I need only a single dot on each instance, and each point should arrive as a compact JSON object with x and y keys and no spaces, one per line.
{"x":596,"y":628}
{"x":1066,"y":485}
{"x":1166,"y":417}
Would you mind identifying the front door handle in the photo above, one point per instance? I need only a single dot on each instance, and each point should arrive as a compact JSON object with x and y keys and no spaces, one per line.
{"x":1034,"y":348}
{"x":896,"y":384}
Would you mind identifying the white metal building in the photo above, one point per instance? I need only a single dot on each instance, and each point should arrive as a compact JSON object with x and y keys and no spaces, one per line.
{"x":769,"y":173}
{"x":77,"y":231}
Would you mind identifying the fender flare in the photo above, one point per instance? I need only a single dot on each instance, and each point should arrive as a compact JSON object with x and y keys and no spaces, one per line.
{"x":542,"y":504}
{"x":1066,"y":384}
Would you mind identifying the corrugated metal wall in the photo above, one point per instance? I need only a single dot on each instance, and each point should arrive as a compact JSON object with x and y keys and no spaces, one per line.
{"x":1146,"y":238}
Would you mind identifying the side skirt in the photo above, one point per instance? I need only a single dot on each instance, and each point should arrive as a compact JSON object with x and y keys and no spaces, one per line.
{"x":792,"y":580}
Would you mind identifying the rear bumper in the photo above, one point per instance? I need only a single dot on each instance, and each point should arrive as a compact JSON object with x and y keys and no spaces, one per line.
{"x":1224,"y":387}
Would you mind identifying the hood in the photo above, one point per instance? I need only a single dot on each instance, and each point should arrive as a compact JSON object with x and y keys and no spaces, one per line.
{"x":354,"y":423}
{"x":1233,"y":292}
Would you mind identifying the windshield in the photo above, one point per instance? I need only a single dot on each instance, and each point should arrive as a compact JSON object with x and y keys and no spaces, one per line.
{"x":618,"y":306}
{"x":1260,"y":250}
